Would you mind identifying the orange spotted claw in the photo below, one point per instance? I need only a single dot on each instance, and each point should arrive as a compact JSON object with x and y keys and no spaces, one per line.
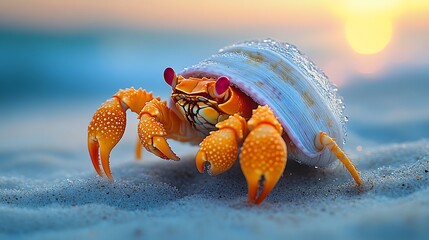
{"x":220,"y":148}
{"x":152,"y":136}
{"x":263,"y":155}
{"x":104,"y":132}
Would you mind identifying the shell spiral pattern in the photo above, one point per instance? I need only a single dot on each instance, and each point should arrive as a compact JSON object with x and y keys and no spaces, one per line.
{"x":280,"y":76}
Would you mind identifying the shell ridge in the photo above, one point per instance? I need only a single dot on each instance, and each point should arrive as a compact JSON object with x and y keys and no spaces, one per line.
{"x":228,"y":55}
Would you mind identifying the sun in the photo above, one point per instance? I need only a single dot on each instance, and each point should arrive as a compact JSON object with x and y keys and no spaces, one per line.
{"x":368,"y":34}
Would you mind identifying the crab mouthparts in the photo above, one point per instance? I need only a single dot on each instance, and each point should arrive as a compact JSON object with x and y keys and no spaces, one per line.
{"x":201,"y":113}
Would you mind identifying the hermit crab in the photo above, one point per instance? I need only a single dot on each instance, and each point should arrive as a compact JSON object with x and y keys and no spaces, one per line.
{"x":262,"y":102}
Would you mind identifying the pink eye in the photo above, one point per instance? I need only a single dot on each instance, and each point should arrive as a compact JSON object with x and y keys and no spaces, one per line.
{"x":222,"y":84}
{"x":170,"y":77}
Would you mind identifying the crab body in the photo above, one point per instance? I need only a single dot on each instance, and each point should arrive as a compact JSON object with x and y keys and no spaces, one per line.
{"x":260,"y":101}
{"x":192,"y":99}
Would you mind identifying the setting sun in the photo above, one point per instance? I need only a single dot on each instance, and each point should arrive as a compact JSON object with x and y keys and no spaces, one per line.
{"x":368,"y":34}
{"x":368,"y":26}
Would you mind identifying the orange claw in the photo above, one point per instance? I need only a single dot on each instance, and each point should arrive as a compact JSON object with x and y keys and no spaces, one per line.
{"x":152,"y":136}
{"x":263,"y":155}
{"x":104,"y":132}
{"x":220,"y":148}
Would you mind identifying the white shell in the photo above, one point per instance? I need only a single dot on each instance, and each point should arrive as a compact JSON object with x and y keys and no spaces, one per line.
{"x":280,"y":76}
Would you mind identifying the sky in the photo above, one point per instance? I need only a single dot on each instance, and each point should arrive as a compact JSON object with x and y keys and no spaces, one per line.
{"x":344,"y":37}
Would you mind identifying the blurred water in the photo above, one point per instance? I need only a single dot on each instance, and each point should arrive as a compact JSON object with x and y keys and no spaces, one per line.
{"x":41,"y":65}
{"x":390,"y":108}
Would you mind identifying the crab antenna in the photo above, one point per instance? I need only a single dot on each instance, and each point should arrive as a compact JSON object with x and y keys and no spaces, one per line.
{"x":222,"y":84}
{"x":170,"y":77}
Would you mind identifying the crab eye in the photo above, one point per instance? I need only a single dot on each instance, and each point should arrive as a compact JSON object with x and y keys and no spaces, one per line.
{"x":170,"y":77}
{"x":222,"y":84}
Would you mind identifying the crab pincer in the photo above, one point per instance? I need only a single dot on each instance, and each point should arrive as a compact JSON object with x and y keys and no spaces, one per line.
{"x":263,"y":155}
{"x":152,"y":136}
{"x":104,"y":132}
{"x":220,"y":148}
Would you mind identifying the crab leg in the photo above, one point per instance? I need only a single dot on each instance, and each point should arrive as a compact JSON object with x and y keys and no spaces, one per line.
{"x":263,"y":155}
{"x":108,"y":125}
{"x":324,"y":140}
{"x":220,"y":148}
{"x":138,"y":149}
